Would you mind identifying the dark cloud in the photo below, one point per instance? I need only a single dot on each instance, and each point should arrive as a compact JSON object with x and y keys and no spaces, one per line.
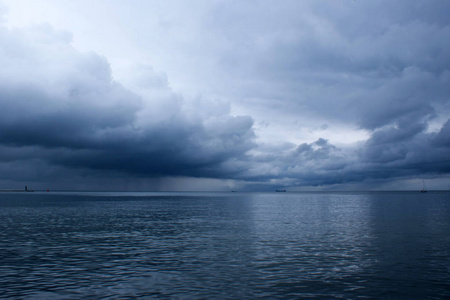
{"x":382,"y":67}
{"x":66,"y":107}
{"x":369,"y":64}
{"x":390,"y":153}
{"x":442,"y":139}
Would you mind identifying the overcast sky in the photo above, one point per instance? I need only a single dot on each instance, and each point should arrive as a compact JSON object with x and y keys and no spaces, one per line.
{"x":224,"y":95}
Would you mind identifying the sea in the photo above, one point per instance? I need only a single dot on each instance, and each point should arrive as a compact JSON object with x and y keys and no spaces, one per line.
{"x":202,"y":245}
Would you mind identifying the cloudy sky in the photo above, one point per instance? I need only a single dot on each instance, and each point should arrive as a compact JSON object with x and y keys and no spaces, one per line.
{"x":225,"y":95}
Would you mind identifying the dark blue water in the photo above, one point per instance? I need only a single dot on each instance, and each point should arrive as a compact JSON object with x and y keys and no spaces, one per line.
{"x":225,"y":245}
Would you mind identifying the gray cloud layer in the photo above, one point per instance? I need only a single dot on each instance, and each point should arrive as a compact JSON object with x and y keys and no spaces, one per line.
{"x":383,"y":67}
{"x":367,"y":63}
{"x":65,"y":105}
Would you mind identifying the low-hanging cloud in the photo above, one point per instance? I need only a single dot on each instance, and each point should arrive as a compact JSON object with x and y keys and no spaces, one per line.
{"x":65,"y":105}
{"x":63,"y":114}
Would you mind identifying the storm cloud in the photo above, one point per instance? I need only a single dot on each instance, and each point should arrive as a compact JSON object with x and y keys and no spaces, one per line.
{"x":297,"y":94}
{"x":65,"y":106}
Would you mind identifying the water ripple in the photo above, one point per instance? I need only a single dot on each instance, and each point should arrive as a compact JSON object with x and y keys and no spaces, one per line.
{"x":330,"y":246}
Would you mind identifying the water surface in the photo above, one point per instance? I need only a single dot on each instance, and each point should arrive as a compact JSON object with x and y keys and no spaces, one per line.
{"x":225,"y":245}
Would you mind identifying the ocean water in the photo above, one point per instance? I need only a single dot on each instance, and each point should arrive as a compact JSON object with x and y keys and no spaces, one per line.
{"x":391,"y":245}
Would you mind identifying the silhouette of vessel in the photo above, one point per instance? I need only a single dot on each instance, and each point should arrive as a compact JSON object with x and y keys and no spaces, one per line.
{"x":424,"y":187}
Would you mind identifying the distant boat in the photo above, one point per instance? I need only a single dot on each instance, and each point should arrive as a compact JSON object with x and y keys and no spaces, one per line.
{"x":280,"y":191}
{"x":424,"y":187}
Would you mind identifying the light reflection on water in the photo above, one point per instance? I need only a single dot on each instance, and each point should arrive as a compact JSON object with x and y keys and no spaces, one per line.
{"x":217,"y":245}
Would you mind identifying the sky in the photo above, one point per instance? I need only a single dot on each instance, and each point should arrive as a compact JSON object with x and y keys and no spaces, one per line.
{"x":225,"y":95}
